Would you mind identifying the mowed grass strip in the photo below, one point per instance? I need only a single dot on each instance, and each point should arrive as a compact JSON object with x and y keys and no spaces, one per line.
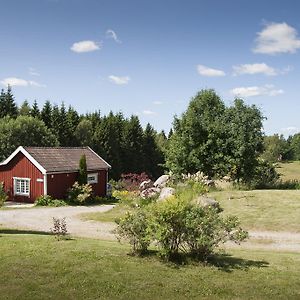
{"x":274,"y":210}
{"x":39,"y":267}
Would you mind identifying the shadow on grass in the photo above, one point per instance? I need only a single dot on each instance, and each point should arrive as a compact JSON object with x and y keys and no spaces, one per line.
{"x":228,"y":263}
{"x":22,"y":231}
{"x":35,"y":232}
{"x":224,"y":262}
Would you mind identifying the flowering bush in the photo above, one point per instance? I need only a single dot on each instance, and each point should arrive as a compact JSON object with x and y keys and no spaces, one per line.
{"x":79,"y":194}
{"x":132,"y":181}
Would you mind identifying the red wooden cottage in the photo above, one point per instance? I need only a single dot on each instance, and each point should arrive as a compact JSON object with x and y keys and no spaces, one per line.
{"x":30,"y":172}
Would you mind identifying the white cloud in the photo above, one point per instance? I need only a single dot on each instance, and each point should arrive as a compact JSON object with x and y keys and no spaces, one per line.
{"x":85,"y":46}
{"x":33,"y":72}
{"x":277,"y":38}
{"x":14,"y":81}
{"x":149,"y":112}
{"x":206,"y":71}
{"x":157,"y":102}
{"x":119,"y":80}
{"x":251,"y":91}
{"x":258,"y":68}
{"x":111,"y":34}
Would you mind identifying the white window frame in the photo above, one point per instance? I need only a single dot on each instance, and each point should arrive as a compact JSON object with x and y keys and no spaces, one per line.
{"x":26,"y":186}
{"x":93,"y":180}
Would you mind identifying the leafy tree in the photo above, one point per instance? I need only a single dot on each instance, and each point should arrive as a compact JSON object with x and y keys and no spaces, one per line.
{"x":82,"y":176}
{"x":196,"y":144}
{"x":275,"y":148}
{"x":23,"y":131}
{"x":294,"y":146}
{"x":25,"y":109}
{"x":216,"y":140}
{"x":244,"y":139}
{"x":84,"y":133}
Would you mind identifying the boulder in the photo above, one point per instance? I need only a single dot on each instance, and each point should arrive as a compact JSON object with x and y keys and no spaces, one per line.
{"x":146,"y":185}
{"x":166,"y":192}
{"x":150,"y":192}
{"x":161,"y":181}
{"x":207,"y":202}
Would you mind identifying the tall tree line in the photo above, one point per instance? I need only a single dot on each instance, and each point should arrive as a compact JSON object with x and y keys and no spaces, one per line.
{"x":121,"y":141}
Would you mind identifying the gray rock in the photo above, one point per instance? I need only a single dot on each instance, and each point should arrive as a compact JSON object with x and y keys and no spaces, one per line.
{"x":150,"y":192}
{"x":207,"y":202}
{"x":146,"y":185}
{"x":166,"y":192}
{"x":161,"y":181}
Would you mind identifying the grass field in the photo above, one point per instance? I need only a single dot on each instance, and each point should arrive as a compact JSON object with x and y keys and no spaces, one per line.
{"x":277,"y":210}
{"x":37,"y":266}
{"x":289,"y":170}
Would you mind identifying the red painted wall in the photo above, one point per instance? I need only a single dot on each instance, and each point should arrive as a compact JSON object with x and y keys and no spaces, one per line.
{"x":58,"y":184}
{"x":20,"y":166}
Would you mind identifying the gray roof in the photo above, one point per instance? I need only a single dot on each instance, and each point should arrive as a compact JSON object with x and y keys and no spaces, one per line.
{"x":66,"y":159}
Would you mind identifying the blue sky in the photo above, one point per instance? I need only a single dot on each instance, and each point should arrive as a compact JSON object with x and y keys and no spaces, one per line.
{"x":150,"y":57}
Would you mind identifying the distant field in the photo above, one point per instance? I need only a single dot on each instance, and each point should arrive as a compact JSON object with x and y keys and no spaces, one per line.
{"x":289,"y":170}
{"x":39,"y":267}
{"x":277,"y":210}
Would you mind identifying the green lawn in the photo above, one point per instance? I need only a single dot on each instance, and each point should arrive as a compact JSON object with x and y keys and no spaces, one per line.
{"x":108,"y":216}
{"x":37,"y":266}
{"x":277,"y":210}
{"x":289,"y":170}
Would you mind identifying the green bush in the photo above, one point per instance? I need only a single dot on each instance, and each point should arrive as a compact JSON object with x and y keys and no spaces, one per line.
{"x":49,"y":201}
{"x":134,"y":228}
{"x":177,"y":227}
{"x":80,"y":193}
{"x":3,"y":195}
{"x":265,"y":175}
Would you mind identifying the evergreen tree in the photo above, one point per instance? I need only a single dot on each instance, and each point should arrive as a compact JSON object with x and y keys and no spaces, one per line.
{"x":2,"y":104}
{"x":35,"y":111}
{"x":153,"y":156}
{"x":82,"y":175}
{"x":55,"y":121}
{"x":133,"y":146}
{"x":73,"y":120}
{"x":46,"y":114}
{"x":7,"y":104}
{"x":107,"y":142}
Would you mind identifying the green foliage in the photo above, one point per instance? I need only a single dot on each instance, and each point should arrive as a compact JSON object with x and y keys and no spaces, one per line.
{"x":178,"y":225}
{"x":82,"y":174}
{"x":47,"y":200}
{"x":80,"y":194}
{"x":275,"y":148}
{"x":3,"y":195}
{"x":8,"y":105}
{"x":23,"y":131}
{"x":134,"y":228}
{"x":84,"y":133}
{"x":216,"y":140}
{"x":265,"y":175}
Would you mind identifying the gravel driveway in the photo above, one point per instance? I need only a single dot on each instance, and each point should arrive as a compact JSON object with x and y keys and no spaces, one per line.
{"x":40,"y":219}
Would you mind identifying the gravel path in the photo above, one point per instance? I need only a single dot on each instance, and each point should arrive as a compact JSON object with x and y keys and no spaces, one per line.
{"x":40,"y":219}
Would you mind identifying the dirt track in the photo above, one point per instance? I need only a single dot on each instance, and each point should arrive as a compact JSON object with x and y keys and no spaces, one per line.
{"x":40,"y":219}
